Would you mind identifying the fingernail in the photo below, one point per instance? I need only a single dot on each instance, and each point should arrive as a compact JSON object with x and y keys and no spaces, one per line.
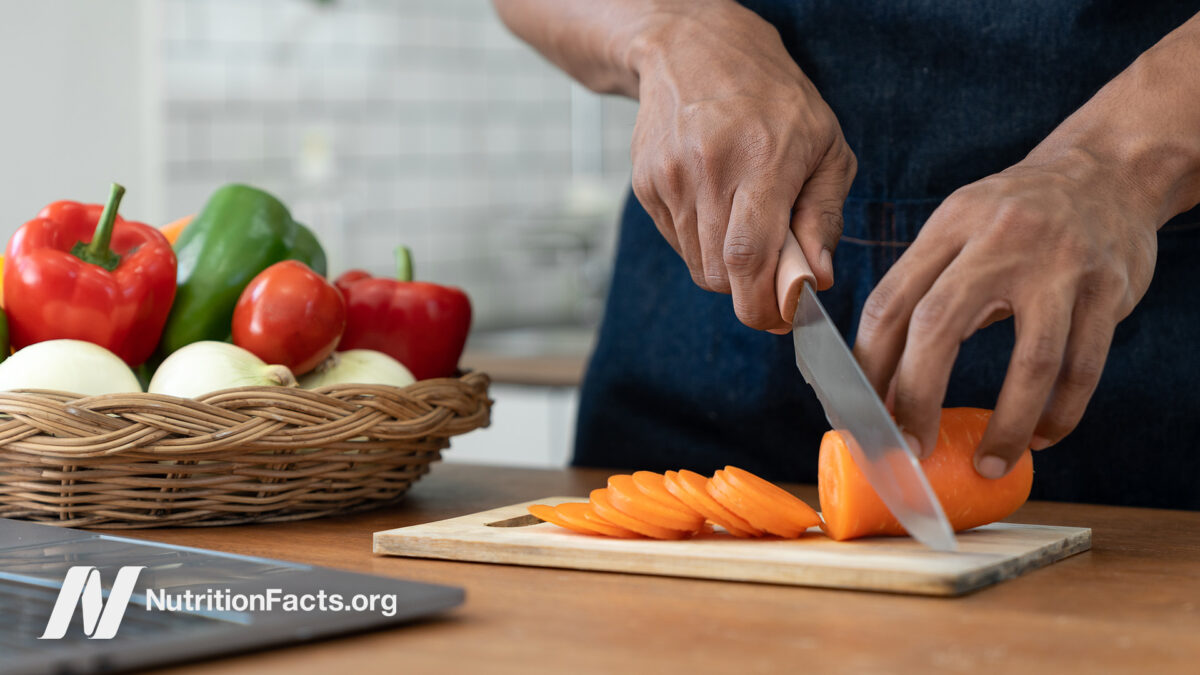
{"x":913,"y":444}
{"x":991,"y":466}
{"x":827,"y":263}
{"x":1039,"y":443}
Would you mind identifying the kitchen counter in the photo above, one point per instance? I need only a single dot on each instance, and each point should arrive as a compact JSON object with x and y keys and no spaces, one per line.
{"x":546,"y":356}
{"x":1130,"y":604}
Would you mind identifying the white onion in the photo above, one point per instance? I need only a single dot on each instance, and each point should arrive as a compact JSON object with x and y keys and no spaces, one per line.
{"x":208,"y":366}
{"x":72,"y":366}
{"x":358,"y":366}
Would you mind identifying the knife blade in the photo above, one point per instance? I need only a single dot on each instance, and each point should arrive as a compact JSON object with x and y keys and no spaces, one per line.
{"x":854,"y":409}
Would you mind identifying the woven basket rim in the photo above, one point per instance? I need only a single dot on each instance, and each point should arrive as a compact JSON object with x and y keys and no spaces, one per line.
{"x":244,"y":454}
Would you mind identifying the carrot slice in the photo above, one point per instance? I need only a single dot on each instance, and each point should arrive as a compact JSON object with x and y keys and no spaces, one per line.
{"x":603,"y":507}
{"x":627,"y":498}
{"x":577,"y":513}
{"x":764,"y":518}
{"x":654,"y":486}
{"x":851,"y":508}
{"x":691,"y":488}
{"x":770,"y":495}
{"x":551,"y":515}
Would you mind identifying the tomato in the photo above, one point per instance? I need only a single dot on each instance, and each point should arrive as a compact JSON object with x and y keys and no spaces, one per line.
{"x":291,"y":315}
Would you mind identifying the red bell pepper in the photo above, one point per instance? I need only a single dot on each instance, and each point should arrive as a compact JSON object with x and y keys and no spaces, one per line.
{"x":422,"y":325}
{"x":80,"y":271}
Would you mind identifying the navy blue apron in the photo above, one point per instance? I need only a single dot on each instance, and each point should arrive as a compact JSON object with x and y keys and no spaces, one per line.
{"x":931,"y":95}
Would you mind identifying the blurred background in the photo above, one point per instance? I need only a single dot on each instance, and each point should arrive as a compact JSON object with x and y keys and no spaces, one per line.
{"x":379,"y":123}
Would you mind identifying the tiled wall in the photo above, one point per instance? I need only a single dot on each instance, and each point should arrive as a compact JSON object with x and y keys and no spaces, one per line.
{"x":416,"y":121}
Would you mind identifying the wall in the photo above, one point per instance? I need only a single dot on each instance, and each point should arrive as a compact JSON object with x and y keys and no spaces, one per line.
{"x":423,"y":122}
{"x":80,"y":106}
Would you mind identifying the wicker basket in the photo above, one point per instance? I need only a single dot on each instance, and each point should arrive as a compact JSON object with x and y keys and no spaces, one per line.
{"x":252,"y":454}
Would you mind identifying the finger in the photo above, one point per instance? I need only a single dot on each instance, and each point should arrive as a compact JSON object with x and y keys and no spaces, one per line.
{"x":1083,"y":363}
{"x":689,"y":245}
{"x":1042,"y":326}
{"x":817,"y":220}
{"x":647,"y":195}
{"x":713,"y":212}
{"x":758,"y":222}
{"x":883,"y":325}
{"x":938,"y":325}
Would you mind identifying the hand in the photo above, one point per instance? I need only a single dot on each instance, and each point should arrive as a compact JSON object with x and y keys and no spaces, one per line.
{"x":1058,"y":243}
{"x":733,"y":145}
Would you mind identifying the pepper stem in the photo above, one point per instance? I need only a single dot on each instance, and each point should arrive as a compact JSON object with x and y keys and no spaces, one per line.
{"x":98,"y":251}
{"x":404,"y":264}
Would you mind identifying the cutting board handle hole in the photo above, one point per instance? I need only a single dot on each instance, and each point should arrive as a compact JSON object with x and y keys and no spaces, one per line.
{"x":520,"y":521}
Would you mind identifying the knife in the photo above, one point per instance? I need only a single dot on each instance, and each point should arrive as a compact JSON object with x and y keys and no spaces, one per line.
{"x":854,"y":409}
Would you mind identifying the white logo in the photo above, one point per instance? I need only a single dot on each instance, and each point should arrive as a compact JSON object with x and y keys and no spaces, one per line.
{"x":82,"y":587}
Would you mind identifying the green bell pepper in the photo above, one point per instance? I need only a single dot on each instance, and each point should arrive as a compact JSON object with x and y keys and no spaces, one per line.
{"x":240,"y":232}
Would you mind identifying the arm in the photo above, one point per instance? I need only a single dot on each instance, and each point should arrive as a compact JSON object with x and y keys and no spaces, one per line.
{"x":1065,"y":241}
{"x":733,"y":145}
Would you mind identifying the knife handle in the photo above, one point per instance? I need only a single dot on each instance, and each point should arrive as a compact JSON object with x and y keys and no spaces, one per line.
{"x":790,"y":275}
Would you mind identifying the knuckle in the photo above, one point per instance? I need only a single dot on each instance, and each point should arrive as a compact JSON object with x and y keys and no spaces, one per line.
{"x":1082,"y":372}
{"x":672,"y":175}
{"x":930,"y":314}
{"x":1041,"y":356}
{"x":704,"y":153}
{"x":699,"y":278}
{"x":743,"y":255}
{"x":882,"y":308}
{"x":833,"y":222}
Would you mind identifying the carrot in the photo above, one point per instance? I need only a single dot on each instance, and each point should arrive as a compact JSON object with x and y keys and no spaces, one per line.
{"x":551,"y":515}
{"x":851,"y":508}
{"x":764,"y":517}
{"x":603,"y":507}
{"x":627,"y":498}
{"x":173,"y":229}
{"x":654,"y":486}
{"x":692,"y":489}
{"x":768,"y":494}
{"x":577,"y":513}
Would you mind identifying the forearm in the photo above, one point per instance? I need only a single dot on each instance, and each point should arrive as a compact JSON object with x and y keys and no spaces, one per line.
{"x":599,"y":43}
{"x":1143,"y":127}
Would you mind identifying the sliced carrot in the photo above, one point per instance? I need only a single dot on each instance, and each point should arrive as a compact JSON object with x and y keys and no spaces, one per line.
{"x":603,"y":507}
{"x":692,"y":489}
{"x":627,"y":498}
{"x":851,"y":508}
{"x":551,"y":515}
{"x":762,"y":517}
{"x":772,"y":496}
{"x":654,"y":486}
{"x":581,"y":514}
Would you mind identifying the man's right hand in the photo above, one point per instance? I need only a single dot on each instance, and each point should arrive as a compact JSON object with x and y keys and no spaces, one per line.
{"x":733,"y":145}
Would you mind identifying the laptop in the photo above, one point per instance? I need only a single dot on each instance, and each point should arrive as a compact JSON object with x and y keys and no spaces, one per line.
{"x":73,"y":601}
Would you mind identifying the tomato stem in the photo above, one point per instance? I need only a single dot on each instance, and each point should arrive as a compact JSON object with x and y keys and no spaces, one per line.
{"x":98,"y":252}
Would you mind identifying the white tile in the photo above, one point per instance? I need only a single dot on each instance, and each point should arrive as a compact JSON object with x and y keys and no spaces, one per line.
{"x":237,"y":140}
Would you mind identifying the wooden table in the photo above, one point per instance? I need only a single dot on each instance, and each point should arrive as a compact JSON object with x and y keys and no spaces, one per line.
{"x":1131,"y":604}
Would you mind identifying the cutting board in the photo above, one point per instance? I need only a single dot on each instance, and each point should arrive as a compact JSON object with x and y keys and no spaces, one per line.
{"x":509,"y":535}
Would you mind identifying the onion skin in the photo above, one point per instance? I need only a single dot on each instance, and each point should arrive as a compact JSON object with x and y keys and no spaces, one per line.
{"x":207,"y":366}
{"x":73,"y":366}
{"x":358,"y":366}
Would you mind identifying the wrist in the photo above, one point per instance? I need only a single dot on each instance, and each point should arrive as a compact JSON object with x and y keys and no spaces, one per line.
{"x":1140,"y":134}
{"x":670,"y":27}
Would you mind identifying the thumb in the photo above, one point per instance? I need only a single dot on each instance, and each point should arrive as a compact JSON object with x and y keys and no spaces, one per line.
{"x":817,"y":216}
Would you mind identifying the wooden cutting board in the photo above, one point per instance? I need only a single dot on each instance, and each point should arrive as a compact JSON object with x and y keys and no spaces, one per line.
{"x":509,"y":535}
